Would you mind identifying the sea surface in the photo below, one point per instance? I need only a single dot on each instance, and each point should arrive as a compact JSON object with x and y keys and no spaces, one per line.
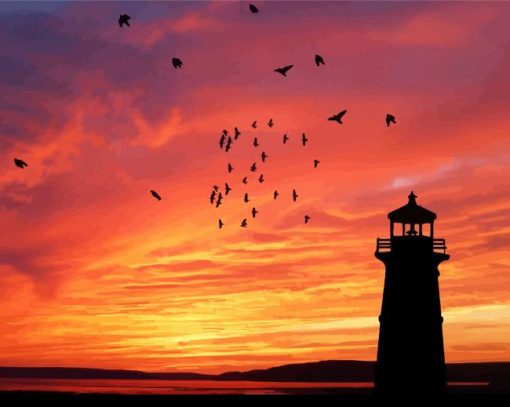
{"x":171,"y":387}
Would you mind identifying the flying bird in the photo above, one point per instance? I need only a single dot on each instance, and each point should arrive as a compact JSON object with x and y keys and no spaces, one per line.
{"x":237,"y":133}
{"x":222,"y":140}
{"x":254,"y":124}
{"x":230,"y":168}
{"x":253,"y":9}
{"x":124,"y":19}
{"x":284,"y":70}
{"x":245,"y":180}
{"x":263,"y":156}
{"x":177,"y":63}
{"x":285,"y":139}
{"x":246,"y":197}
{"x":338,"y":117}
{"x":294,"y":195}
{"x":213,"y":195}
{"x":155,"y":195}
{"x":316,"y":163}
{"x":254,"y":212}
{"x":270,"y":123}
{"x":304,"y":139}
{"x":220,"y":223}
{"x":219,"y":200}
{"x":261,"y":178}
{"x":20,"y":163}
{"x":255,"y":142}
{"x":253,"y":167}
{"x":390,"y":119}
{"x":244,"y":223}
{"x":307,"y":218}
{"x":227,"y":188}
{"x":319,"y":60}
{"x":275,"y":194}
{"x":229,"y":144}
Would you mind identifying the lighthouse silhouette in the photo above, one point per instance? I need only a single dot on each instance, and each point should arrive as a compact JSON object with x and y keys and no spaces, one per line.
{"x":410,"y":354}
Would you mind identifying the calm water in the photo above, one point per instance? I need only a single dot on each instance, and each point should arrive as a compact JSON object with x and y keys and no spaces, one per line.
{"x":182,"y":386}
{"x":172,"y":386}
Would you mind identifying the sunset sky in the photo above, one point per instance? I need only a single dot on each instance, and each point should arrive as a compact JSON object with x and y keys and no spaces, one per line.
{"x":97,"y":273}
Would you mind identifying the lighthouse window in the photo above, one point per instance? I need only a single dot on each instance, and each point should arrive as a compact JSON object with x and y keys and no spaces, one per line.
{"x":410,"y":229}
{"x":426,"y":229}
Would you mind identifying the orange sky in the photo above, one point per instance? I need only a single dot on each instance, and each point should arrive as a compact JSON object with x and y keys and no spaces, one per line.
{"x":97,"y":273}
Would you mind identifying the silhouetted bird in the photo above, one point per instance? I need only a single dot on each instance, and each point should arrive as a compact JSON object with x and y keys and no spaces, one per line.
{"x":319,"y":60}
{"x":307,"y":218}
{"x":254,"y":212}
{"x":285,"y":139}
{"x":20,"y":163}
{"x":155,"y":195}
{"x":275,"y":194}
{"x":213,"y":195}
{"x":253,"y":167}
{"x":284,"y":70}
{"x":244,"y":223}
{"x":229,"y":144}
{"x":220,"y":223}
{"x":254,"y":124}
{"x":255,"y":142}
{"x":390,"y":119}
{"x":253,"y":9}
{"x":237,"y":133}
{"x":294,"y":195}
{"x":222,"y":140}
{"x":270,"y":123}
{"x":246,"y":197}
{"x":261,"y":178}
{"x":124,"y":19}
{"x":230,"y":168}
{"x":219,"y":201}
{"x":245,"y":180}
{"x":176,"y":62}
{"x":263,"y":156}
{"x":304,"y":139}
{"x":225,"y":132}
{"x":227,"y":188}
{"x":216,"y":188}
{"x":338,"y":117}
{"x":315,"y":163}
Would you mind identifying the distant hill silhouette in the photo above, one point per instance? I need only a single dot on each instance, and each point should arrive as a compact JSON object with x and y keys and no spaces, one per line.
{"x":323,"y":371}
{"x":496,"y":373}
{"x":85,"y":373}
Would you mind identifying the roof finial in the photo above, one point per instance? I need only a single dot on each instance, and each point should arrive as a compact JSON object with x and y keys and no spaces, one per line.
{"x":412,"y":198}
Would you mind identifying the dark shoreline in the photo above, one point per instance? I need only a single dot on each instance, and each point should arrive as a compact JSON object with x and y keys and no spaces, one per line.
{"x":344,"y":397}
{"x":496,"y":373}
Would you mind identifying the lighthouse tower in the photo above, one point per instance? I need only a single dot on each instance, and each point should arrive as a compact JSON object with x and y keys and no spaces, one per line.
{"x":410,"y":354}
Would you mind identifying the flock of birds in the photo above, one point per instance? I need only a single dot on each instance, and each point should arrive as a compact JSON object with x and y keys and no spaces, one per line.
{"x":226,"y":141}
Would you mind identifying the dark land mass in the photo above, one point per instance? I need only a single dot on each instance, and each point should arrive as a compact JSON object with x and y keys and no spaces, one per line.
{"x":86,"y":373}
{"x":496,"y":374}
{"x":340,"y":398}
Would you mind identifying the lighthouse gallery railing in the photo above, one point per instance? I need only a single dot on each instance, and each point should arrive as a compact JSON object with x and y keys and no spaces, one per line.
{"x":384,"y":244}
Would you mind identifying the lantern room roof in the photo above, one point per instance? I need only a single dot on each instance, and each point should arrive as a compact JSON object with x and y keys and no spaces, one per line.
{"x":412,"y":213}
